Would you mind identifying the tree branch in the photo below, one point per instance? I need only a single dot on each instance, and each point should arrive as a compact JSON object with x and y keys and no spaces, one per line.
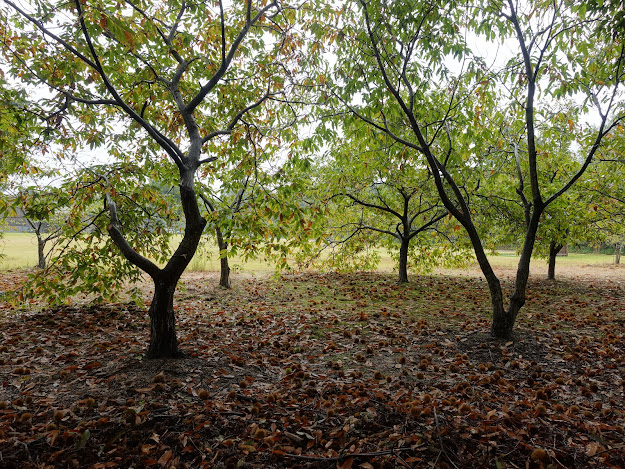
{"x":227,"y":59}
{"x":120,"y":241}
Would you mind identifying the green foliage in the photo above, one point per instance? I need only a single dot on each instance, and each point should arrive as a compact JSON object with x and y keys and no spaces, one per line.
{"x":255,"y":205}
{"x":360,"y":254}
{"x":85,"y":260}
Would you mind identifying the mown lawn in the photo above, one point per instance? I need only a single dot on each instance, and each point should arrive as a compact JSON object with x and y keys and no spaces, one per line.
{"x":19,"y":250}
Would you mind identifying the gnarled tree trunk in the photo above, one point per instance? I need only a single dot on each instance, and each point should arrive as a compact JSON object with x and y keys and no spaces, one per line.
{"x":163,"y":339}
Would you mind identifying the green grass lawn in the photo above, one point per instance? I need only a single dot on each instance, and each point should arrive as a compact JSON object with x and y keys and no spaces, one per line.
{"x":19,"y":250}
{"x":511,"y":259}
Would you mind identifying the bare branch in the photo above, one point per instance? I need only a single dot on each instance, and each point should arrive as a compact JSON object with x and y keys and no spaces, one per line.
{"x":120,"y":241}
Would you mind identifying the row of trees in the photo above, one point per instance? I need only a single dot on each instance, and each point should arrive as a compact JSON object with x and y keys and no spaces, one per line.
{"x":294,"y":127}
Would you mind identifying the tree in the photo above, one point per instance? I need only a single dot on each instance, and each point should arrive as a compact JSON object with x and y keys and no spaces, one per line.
{"x":376,"y":187}
{"x":397,"y":81}
{"x":254,"y":207}
{"x":232,"y":207}
{"x":41,"y":213}
{"x":569,"y":220}
{"x":179,"y":75}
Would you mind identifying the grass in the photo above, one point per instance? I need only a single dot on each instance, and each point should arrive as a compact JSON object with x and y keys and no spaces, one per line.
{"x":19,"y":250}
{"x":511,"y":259}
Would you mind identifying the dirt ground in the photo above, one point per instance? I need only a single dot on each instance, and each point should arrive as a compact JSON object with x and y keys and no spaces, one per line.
{"x":323,"y":370}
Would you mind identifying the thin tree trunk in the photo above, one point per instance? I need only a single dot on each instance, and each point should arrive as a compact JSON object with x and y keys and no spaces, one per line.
{"x":617,"y":253}
{"x":403,"y":260}
{"x":224,"y":276}
{"x":41,"y":245}
{"x":554,"y":249}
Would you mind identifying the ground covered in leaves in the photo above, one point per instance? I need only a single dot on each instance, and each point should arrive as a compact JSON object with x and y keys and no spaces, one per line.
{"x":321,"y":371}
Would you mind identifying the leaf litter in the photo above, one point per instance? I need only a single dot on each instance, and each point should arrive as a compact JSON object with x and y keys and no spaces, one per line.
{"x":321,"y":371}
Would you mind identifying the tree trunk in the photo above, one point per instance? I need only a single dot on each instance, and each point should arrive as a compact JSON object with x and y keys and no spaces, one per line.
{"x":163,"y":340}
{"x":503,"y":327}
{"x":554,"y":249}
{"x":224,"y":276}
{"x":500,"y":324}
{"x":403,"y":260}
{"x":617,"y":253}
{"x":41,"y":245}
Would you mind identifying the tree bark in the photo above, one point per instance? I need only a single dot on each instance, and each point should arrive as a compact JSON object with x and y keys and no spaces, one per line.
{"x":41,"y":254}
{"x":163,"y":339}
{"x":554,"y":249}
{"x":224,"y":276}
{"x":617,"y":253}
{"x":403,"y":260}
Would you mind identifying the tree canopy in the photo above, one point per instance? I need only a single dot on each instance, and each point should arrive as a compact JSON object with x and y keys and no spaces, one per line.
{"x":196,"y":111}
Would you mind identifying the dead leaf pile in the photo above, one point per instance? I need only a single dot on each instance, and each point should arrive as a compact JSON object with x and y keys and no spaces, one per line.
{"x":321,"y":371}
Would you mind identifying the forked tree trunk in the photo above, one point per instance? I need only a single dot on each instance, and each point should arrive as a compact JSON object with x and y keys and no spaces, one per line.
{"x":224,"y":274}
{"x":554,"y":249}
{"x":403,"y":261}
{"x":163,"y":340}
{"x":503,"y":326}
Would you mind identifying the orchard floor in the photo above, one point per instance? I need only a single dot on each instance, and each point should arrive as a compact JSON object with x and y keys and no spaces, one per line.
{"x":323,"y":371}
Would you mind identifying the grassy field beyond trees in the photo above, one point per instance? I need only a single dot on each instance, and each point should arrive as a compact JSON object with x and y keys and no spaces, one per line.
{"x":19,"y":250}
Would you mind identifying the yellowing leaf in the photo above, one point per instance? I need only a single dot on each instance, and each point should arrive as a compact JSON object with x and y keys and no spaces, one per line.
{"x":130,"y":39}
